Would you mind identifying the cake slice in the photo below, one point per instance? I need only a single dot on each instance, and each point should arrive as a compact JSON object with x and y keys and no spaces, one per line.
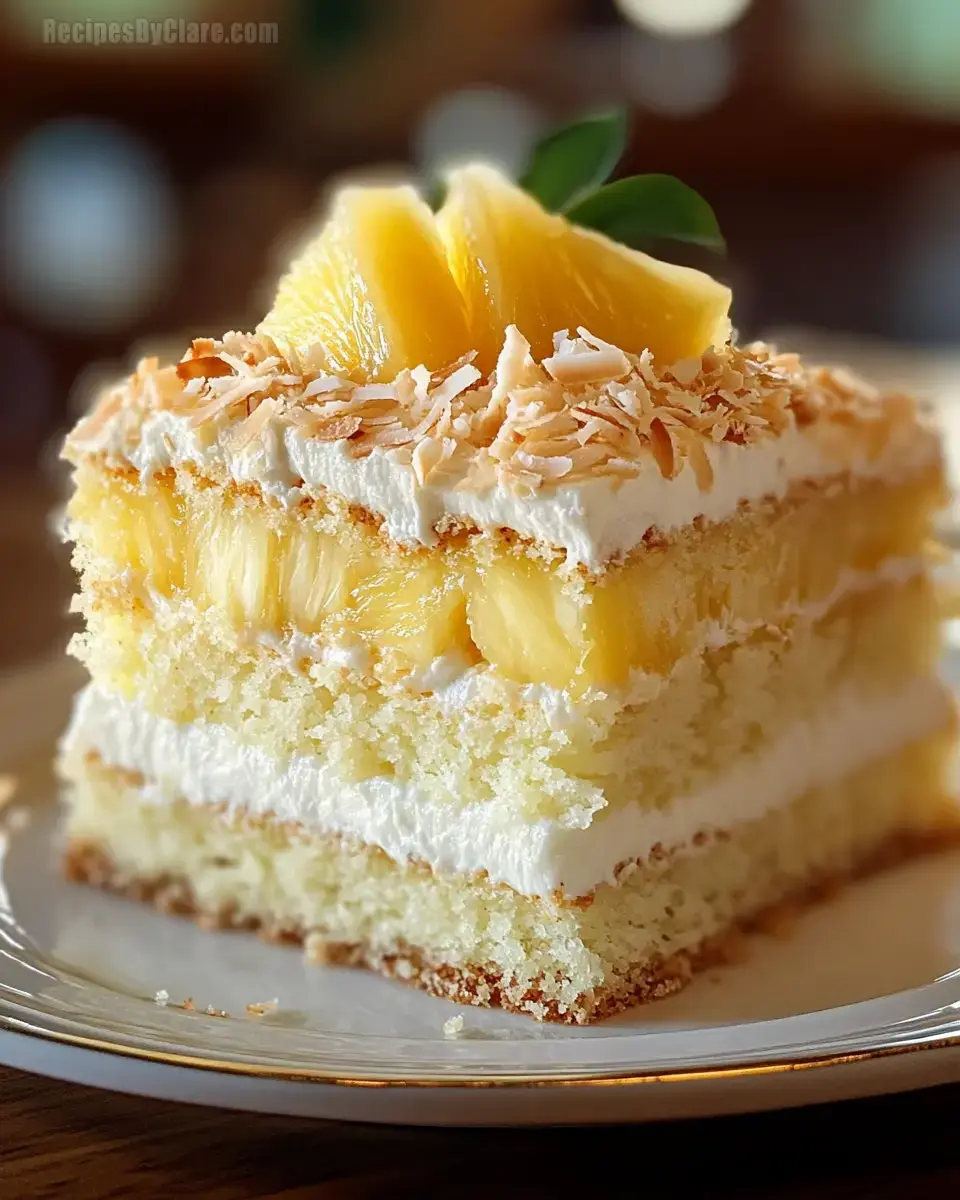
{"x":527,"y":676}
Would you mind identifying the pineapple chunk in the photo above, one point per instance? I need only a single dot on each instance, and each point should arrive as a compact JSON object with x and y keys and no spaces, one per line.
{"x":128,"y":526}
{"x":524,"y":623}
{"x":417,"y":611}
{"x":232,"y":565}
{"x":530,"y":621}
{"x":374,"y":287}
{"x":317,"y":575}
{"x":517,"y":264}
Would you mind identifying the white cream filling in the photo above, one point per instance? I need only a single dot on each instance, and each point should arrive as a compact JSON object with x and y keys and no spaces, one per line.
{"x":592,"y":522}
{"x":206,"y":763}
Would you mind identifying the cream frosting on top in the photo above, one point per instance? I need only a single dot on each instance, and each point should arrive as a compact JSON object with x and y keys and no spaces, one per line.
{"x":586,"y":452}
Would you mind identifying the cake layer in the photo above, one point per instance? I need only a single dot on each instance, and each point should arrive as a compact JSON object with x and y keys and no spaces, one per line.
{"x":468,"y":940}
{"x":209,"y":765}
{"x":267,"y":571}
{"x":585,"y":453}
{"x":467,"y":736}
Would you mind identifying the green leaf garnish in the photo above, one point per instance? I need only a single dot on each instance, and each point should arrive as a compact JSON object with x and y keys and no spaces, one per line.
{"x":568,"y":168}
{"x":569,"y":163}
{"x":642,"y":207}
{"x":435,"y":193}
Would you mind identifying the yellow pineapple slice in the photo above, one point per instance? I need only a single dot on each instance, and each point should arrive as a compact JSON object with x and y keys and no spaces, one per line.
{"x":131,"y":527}
{"x":234,"y":565}
{"x":524,"y":623}
{"x":516,"y":263}
{"x":317,"y":574}
{"x":418,"y":611}
{"x":521,"y":615}
{"x":374,"y":287}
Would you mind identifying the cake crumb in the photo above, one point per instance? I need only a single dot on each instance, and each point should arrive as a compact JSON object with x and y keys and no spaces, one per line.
{"x":262,"y":1008}
{"x":162,"y":998}
{"x":453,"y":1027}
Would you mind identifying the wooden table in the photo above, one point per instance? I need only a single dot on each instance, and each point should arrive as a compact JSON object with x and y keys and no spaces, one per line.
{"x":68,"y":1141}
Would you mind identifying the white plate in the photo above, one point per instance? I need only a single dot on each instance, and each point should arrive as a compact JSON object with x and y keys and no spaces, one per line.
{"x":862,"y":997}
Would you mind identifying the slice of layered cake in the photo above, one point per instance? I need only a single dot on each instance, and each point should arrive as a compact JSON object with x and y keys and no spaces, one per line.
{"x":524,"y":666}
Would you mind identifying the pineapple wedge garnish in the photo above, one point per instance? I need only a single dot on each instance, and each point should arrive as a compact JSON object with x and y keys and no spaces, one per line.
{"x":385,"y":285}
{"x":515,"y":263}
{"x":374,"y":287}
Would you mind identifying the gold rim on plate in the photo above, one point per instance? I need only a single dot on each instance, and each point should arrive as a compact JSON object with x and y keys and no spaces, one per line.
{"x":312,"y":1075}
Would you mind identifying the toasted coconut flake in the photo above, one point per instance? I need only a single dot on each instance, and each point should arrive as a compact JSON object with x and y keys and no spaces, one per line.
{"x":662,"y":445}
{"x":421,"y":390}
{"x":587,"y":366}
{"x":685,"y":371}
{"x":250,"y":429}
{"x":206,"y":413}
{"x":338,"y":429}
{"x":194,"y":386}
{"x":519,"y":481}
{"x":589,"y":458}
{"x":433,"y":417}
{"x":547,"y":468}
{"x":697,"y":457}
{"x":605,"y":348}
{"x":626,"y":399}
{"x":323,"y":384}
{"x":90,"y":426}
{"x":208,"y":367}
{"x":448,"y":468}
{"x":452,"y":367}
{"x":515,"y":366}
{"x":307,"y":418}
{"x":587,"y":410}
{"x":374,"y":391}
{"x":392,"y":435}
{"x":621,"y":468}
{"x":464,"y":377}
{"x":225,"y":400}
{"x":426,"y":455}
{"x":592,"y":427}
{"x":378,"y":419}
{"x":552,"y":447}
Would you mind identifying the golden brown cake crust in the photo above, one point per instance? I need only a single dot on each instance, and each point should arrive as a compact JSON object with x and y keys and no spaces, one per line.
{"x":86,"y":861}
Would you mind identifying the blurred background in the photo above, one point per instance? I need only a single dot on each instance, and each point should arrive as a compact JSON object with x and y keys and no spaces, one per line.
{"x":149,"y":185}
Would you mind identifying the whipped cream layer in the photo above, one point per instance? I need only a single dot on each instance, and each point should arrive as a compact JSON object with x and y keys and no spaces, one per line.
{"x":593,"y":521}
{"x":206,"y":763}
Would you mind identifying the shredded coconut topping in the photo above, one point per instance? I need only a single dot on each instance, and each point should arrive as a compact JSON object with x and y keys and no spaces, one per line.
{"x":589,"y":409}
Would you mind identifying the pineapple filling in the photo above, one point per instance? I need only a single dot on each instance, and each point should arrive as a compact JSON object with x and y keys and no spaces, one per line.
{"x":268,"y":570}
